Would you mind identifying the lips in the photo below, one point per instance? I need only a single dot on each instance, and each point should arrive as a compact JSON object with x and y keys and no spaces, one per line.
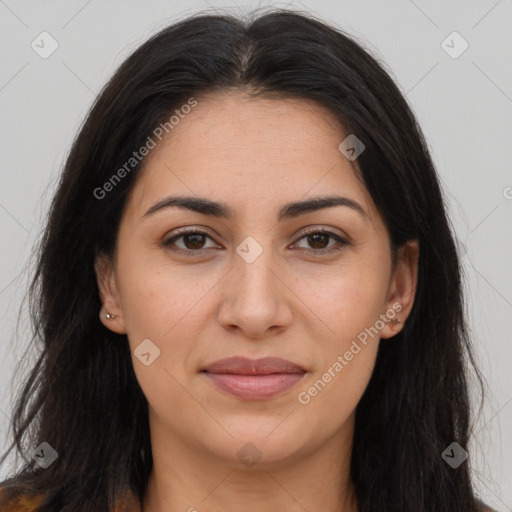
{"x":245,"y":366}
{"x":254,"y":379}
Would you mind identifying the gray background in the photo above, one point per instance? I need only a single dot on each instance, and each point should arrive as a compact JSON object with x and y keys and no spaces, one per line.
{"x":463,"y":104}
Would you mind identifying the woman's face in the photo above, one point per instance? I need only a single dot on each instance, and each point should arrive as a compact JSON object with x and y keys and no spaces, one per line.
{"x":256,"y":282}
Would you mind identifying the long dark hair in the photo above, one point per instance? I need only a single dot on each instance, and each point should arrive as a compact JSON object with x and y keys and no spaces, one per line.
{"x":82,"y":396}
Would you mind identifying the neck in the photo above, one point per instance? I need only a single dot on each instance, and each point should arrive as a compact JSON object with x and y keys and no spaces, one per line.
{"x":184,"y":479}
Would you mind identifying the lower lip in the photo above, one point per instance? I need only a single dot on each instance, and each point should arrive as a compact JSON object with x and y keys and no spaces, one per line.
{"x":254,"y":387}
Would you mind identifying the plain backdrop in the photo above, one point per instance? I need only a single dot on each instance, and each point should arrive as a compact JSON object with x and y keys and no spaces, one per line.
{"x":463,"y":103}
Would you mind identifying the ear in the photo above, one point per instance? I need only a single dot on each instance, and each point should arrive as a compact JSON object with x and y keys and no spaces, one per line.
{"x":106,"y":279}
{"x":402,"y":288}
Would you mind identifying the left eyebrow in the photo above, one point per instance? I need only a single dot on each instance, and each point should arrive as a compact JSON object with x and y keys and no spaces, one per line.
{"x":223,"y":210}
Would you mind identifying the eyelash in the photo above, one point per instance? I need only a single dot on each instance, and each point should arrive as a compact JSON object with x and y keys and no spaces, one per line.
{"x":312,"y":231}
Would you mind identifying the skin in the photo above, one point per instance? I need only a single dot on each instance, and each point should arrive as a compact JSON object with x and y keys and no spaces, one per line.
{"x":255,"y":155}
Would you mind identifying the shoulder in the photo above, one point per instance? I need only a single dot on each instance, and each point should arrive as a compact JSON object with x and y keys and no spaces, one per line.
{"x":12,"y":499}
{"x":16,"y":498}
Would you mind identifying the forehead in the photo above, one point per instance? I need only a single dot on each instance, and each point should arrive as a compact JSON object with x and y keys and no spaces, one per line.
{"x":255,"y":153}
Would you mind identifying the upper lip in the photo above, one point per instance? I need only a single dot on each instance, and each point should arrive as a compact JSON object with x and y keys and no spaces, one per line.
{"x":247,"y":366}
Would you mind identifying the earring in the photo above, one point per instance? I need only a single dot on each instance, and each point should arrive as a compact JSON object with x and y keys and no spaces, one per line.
{"x":109,"y":316}
{"x":393,"y":322}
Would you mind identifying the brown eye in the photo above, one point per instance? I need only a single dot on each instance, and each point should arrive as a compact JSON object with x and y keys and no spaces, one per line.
{"x":193,"y":240}
{"x":319,"y":241}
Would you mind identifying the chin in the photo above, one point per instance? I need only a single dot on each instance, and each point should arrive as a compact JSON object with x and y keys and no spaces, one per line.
{"x":261,"y":444}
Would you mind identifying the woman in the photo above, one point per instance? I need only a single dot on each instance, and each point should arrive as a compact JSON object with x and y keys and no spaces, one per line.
{"x":248,"y":290}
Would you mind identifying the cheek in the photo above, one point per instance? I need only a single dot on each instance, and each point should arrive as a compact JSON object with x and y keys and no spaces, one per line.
{"x":169,"y":306}
{"x":346,"y":354}
{"x":156,"y":299}
{"x":334,"y":393}
{"x":163,"y":307}
{"x":346,"y":300}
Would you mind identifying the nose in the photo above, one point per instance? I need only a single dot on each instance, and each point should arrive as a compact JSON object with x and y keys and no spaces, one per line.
{"x":256,"y":297}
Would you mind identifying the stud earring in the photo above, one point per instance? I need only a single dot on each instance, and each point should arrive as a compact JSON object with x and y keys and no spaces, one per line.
{"x":393,"y":322}
{"x":109,"y":316}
